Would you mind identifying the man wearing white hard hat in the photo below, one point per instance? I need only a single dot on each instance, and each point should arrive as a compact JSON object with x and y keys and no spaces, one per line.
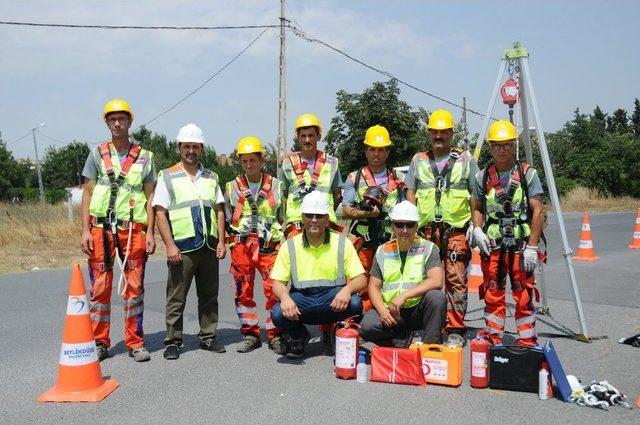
{"x":325,"y":274}
{"x":189,"y":209}
{"x":405,"y":285}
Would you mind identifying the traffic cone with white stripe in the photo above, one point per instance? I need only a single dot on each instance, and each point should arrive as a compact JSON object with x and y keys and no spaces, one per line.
{"x":635,"y":242}
{"x":585,"y":248}
{"x":79,"y":375}
{"x":474,"y":274}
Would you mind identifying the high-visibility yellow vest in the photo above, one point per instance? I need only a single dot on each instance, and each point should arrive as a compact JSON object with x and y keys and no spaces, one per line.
{"x":192,"y":210}
{"x":302,"y":179}
{"x":454,"y":207}
{"x":327,"y":260}
{"x":396,"y":279}
{"x":494,"y":205}
{"x":130,"y":189}
{"x":268,"y":203}
{"x":391,"y":200}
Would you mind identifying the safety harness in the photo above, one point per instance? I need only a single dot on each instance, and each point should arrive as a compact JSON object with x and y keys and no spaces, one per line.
{"x":110,"y":222}
{"x":600,"y":395}
{"x":254,"y":241}
{"x":299,"y":167}
{"x":507,"y":220}
{"x":374,"y":236}
{"x":442,"y":181}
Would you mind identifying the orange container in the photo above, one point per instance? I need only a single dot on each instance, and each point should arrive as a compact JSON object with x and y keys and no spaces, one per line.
{"x":440,"y":364}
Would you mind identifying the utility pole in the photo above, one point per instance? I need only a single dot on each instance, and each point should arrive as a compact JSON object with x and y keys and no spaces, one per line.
{"x":282,"y":101}
{"x":35,"y":146}
{"x":465,"y":131}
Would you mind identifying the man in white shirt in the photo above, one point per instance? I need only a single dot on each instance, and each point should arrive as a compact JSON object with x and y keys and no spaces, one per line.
{"x":189,"y":209}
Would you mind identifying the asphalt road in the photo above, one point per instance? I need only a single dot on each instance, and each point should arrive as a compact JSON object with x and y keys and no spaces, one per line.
{"x":260,"y":387}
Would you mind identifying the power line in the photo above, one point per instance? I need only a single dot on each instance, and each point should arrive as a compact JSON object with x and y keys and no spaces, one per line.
{"x":297,"y":31}
{"x":138,"y":27}
{"x":19,"y":138}
{"x":208,"y":79}
{"x":52,"y":138}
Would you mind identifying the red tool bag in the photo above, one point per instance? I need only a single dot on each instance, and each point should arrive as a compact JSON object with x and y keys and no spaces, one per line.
{"x":396,"y":366}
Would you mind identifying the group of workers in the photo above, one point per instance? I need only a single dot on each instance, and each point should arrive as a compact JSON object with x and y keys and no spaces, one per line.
{"x":409,"y":238}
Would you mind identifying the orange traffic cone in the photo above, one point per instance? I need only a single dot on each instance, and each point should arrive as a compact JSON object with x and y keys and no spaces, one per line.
{"x":635,"y":242}
{"x":474,"y":274}
{"x":79,"y":375}
{"x":585,"y":248}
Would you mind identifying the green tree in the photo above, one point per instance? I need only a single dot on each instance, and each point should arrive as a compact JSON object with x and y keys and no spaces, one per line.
{"x":13,"y":174}
{"x":62,"y":167}
{"x":635,"y":118}
{"x":378,"y":104}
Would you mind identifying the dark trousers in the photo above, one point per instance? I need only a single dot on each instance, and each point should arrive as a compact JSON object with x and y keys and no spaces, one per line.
{"x":429,"y":316}
{"x":203,"y":265}
{"x":314,"y":305}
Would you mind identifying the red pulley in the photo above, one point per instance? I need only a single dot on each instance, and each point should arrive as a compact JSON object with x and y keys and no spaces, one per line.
{"x":509,"y":92}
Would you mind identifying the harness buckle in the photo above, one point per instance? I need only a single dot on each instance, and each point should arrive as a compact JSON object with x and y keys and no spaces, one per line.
{"x":112,"y":220}
{"x":441,"y":184}
{"x":366,"y":237}
{"x":453,"y":256}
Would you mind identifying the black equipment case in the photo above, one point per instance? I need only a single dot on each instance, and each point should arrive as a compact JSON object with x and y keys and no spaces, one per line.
{"x":515,"y":368}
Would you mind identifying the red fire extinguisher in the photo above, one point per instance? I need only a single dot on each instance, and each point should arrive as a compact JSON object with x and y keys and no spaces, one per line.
{"x":347,"y":345}
{"x":479,"y":353}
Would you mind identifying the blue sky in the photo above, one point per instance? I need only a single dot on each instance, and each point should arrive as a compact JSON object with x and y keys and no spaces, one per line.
{"x":583,"y":53}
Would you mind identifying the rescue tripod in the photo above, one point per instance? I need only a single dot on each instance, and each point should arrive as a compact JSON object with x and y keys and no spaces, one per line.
{"x":518,"y":58}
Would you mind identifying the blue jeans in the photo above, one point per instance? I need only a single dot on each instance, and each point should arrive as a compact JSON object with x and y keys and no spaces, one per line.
{"x":314,"y":305}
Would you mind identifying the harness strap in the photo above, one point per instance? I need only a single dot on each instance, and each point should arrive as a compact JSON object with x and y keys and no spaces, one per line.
{"x":442,"y":178}
{"x":115,"y":182}
{"x":299,"y":167}
{"x":121,"y":224}
{"x":245,"y":195}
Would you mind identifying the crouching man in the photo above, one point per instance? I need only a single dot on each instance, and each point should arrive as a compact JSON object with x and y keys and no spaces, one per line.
{"x":325,"y":274}
{"x":405,"y":286}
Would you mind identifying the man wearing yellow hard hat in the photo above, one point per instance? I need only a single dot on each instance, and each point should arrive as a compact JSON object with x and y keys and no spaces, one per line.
{"x":255,"y":213}
{"x":369,"y":195}
{"x":190,"y":216}
{"x":308,"y":170}
{"x":117,"y":218}
{"x":440,"y":183}
{"x":508,"y":218}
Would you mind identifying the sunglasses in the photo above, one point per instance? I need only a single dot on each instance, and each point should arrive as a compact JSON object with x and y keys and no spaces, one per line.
{"x":405,"y":225}
{"x":311,"y":216}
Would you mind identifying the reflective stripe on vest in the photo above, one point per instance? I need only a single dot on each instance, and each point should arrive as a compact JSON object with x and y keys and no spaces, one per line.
{"x":455,"y":208}
{"x":295,"y":171}
{"x":267,"y":206}
{"x":494,"y":205}
{"x":325,"y":275}
{"x":396,"y":279}
{"x":130,"y":188}
{"x":192,"y":211}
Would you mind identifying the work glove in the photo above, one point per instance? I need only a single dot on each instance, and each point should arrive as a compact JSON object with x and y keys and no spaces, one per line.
{"x":482,"y":240}
{"x":469,"y":235}
{"x":530,"y":258}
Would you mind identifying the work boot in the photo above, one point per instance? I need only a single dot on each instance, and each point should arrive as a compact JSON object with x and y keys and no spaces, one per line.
{"x":140,"y":354}
{"x":103,"y":352}
{"x":278,"y":345}
{"x":171,"y":352}
{"x":328,"y":340}
{"x":454,"y":340}
{"x":296,"y":345}
{"x":249,"y":343}
{"x":212,"y":345}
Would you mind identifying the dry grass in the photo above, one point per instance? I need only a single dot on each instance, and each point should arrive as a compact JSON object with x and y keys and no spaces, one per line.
{"x":582,"y":199}
{"x":33,"y":235}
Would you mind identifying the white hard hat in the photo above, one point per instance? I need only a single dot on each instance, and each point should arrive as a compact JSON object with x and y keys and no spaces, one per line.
{"x":404,"y":211}
{"x":315,"y":203}
{"x":190,"y":133}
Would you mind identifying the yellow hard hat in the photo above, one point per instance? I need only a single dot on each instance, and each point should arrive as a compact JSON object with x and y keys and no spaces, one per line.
{"x":440,"y":119}
{"x":250,"y":144}
{"x":501,"y":131}
{"x":308,"y":120}
{"x":377,"y":136}
{"x":117,"y":105}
